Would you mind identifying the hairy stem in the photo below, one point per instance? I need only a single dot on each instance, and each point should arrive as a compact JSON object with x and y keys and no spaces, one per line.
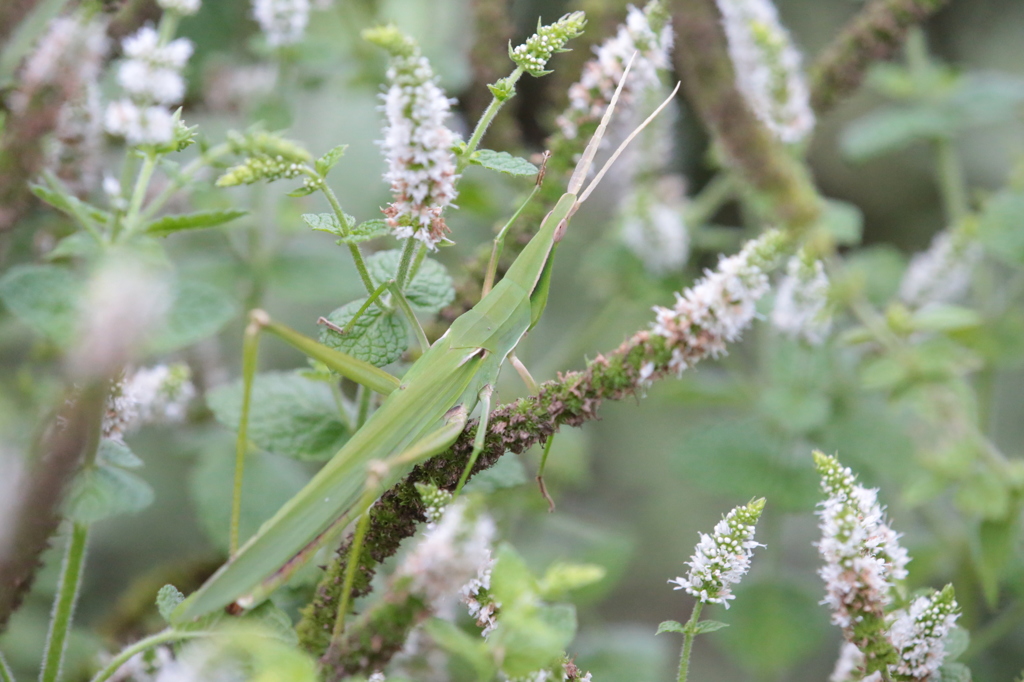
{"x":162,"y":637}
{"x":485,"y":121}
{"x":688,"y":636}
{"x":64,"y":603}
{"x":357,"y":254}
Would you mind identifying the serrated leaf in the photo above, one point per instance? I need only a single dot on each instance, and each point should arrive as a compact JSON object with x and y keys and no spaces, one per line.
{"x":198,"y":311}
{"x":167,"y":599}
{"x":326,"y":162}
{"x":377,"y":337}
{"x":100,"y":492}
{"x":431,"y":289}
{"x":290,"y":415}
{"x":706,"y":626}
{"x":77,"y":245}
{"x":670,"y":626}
{"x":45,"y":298}
{"x":365,"y":231}
{"x":162,"y":227}
{"x":323,"y":222}
{"x":511,"y":580}
{"x":65,"y":202}
{"x":269,"y":482}
{"x":503,"y":162}
{"x":115,"y":453}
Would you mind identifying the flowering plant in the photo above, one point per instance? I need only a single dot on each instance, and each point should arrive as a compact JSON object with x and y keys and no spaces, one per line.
{"x":172,"y":175}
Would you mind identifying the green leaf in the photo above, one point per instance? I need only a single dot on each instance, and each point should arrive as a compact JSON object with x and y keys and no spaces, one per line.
{"x":956,"y":643}
{"x":432,"y":287}
{"x":326,"y":162}
{"x":290,"y":415}
{"x":198,"y":311}
{"x":269,"y":482}
{"x":944,"y":318}
{"x":100,"y":492}
{"x":533,"y":638}
{"x":303,"y":191}
{"x":746,"y":459}
{"x":511,"y":580}
{"x":993,"y":551}
{"x":890,"y":129}
{"x":45,"y":298}
{"x":670,"y":626}
{"x":471,"y":649}
{"x":323,"y":222}
{"x":503,"y":162}
{"x":77,"y":245}
{"x":844,"y":221}
{"x":377,"y":337}
{"x":57,"y":196}
{"x":363,"y":232}
{"x":999,"y":228}
{"x":564,"y":577}
{"x":167,"y":599}
{"x":705,"y":626}
{"x":161,"y":227}
{"x":509,"y":472}
{"x":954,"y":672}
{"x":774,"y":627}
{"x":274,"y":621}
{"x":115,"y":453}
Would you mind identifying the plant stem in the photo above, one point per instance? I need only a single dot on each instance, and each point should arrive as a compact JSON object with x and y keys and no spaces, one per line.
{"x":168,"y":635}
{"x":139,"y":193}
{"x":180,"y":179}
{"x":353,"y":565}
{"x":421,"y":253}
{"x":64,"y":603}
{"x":684,"y":658}
{"x":707,"y":202}
{"x":6,"y":675}
{"x":951,"y":181}
{"x":402,"y":276}
{"x":357,"y":255}
{"x":485,"y":121}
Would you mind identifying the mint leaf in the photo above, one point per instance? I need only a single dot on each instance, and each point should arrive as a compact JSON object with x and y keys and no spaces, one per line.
{"x":290,"y":415}
{"x":102,"y":491}
{"x":377,"y":337}
{"x":79,"y":244}
{"x":431,"y":289}
{"x":323,"y":222}
{"x":199,"y":310}
{"x":326,"y":162}
{"x":64,"y":201}
{"x":115,"y":453}
{"x":167,"y":599}
{"x":670,"y":626}
{"x":503,"y":162}
{"x":705,"y":626}
{"x":365,"y":231}
{"x":45,"y":298}
{"x":161,"y":227}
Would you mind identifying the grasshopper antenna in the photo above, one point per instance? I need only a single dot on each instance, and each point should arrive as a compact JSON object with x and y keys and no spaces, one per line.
{"x":622,"y":147}
{"x":583,"y":167}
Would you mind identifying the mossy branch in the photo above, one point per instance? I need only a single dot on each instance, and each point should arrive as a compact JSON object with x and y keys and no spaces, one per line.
{"x":875,"y":33}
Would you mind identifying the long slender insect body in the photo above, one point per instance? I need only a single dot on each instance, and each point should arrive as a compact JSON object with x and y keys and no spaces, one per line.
{"x":423,"y":416}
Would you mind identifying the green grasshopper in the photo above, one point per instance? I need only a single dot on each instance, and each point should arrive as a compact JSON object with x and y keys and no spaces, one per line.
{"x":422,"y":415}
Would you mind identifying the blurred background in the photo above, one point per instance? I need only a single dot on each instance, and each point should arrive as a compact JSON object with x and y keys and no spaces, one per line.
{"x":635,"y":488}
